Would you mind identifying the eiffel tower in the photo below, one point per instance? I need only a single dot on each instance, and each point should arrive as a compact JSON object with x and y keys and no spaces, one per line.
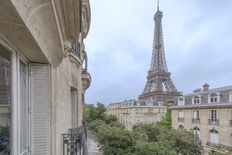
{"x":159,"y":86}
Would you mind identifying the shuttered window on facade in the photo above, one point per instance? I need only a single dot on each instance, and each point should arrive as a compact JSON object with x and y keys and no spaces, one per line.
{"x":40,"y":109}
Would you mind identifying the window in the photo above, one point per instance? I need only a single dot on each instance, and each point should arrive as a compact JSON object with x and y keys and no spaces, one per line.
{"x":213,"y":115}
{"x":181,"y":114}
{"x":74,"y":107}
{"x":181,"y":101}
{"x":196,"y":114}
{"x":213,"y":136}
{"x":5,"y":97}
{"x":23,"y":108}
{"x":214,"y":98}
{"x":196,"y":100}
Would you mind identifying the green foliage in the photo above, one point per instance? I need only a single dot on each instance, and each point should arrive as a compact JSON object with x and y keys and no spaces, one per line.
{"x":116,"y":141}
{"x":158,"y":148}
{"x":166,"y":121}
{"x":148,"y":139}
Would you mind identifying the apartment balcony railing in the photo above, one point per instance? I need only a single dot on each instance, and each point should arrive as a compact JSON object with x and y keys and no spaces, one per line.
{"x":213,"y":122}
{"x":231,"y":123}
{"x":196,"y":120}
{"x":74,"y":141}
{"x":180,"y":119}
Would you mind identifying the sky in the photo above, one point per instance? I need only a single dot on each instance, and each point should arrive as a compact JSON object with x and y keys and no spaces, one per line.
{"x":197,"y":43}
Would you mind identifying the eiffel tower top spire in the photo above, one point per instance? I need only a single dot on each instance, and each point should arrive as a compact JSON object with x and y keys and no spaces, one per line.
{"x":159,"y":86}
{"x":157,"y":5}
{"x":158,"y":61}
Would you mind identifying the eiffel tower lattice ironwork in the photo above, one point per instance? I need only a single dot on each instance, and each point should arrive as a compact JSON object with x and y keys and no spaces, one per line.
{"x":159,"y":85}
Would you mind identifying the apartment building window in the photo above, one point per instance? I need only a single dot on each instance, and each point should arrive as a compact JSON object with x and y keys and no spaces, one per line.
{"x":181,"y":101}
{"x":196,"y":100}
{"x":214,"y":98}
{"x":181,"y":116}
{"x":23,"y":107}
{"x":196,"y":116}
{"x":5,"y":104}
{"x":213,"y":120}
{"x":213,"y":137}
{"x":213,"y":115}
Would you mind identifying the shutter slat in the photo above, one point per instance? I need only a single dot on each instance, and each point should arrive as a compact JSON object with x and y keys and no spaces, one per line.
{"x":40,"y":109}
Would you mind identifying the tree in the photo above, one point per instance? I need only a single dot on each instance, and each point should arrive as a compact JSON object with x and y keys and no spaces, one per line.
{"x":116,"y":141}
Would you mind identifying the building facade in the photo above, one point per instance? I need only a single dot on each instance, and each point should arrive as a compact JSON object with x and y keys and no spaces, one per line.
{"x":43,"y":75}
{"x":133,"y":112}
{"x":208,"y":112}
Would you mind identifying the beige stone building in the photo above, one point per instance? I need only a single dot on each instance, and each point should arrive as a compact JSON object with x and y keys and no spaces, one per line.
{"x":208,"y":112}
{"x":43,"y":75}
{"x":133,"y":112}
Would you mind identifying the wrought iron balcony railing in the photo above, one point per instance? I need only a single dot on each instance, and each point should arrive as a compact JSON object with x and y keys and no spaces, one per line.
{"x":196,"y":120}
{"x":213,"y":121}
{"x":74,"y":142}
{"x":180,"y":119}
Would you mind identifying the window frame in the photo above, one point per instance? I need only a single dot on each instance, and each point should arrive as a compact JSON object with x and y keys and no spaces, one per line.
{"x":20,"y":58}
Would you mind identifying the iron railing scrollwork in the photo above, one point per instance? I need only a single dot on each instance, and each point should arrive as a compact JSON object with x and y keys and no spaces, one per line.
{"x":74,"y":142}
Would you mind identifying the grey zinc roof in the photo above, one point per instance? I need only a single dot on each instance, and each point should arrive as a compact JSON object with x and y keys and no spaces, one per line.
{"x":224,"y":95}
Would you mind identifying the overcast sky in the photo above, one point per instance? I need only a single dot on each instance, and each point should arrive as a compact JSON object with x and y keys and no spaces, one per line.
{"x":197,"y":42}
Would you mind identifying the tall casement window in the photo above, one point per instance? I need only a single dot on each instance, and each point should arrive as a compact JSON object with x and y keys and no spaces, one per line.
{"x":196,"y":116}
{"x":23,"y":108}
{"x":5,"y":101}
{"x":74,"y":107}
{"x":213,"y":115}
{"x":213,"y":136}
{"x":181,"y":116}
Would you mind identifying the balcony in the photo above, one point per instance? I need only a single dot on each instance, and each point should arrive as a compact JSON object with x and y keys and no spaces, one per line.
{"x":196,"y":120}
{"x":74,"y":141}
{"x":86,"y":80}
{"x":213,"y":122}
{"x":180,"y":119}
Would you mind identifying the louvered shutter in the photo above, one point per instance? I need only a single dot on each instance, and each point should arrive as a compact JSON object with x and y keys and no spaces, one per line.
{"x":39,"y":109}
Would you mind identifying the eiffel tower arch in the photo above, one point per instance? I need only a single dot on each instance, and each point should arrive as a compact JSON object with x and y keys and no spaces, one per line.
{"x":159,"y":86}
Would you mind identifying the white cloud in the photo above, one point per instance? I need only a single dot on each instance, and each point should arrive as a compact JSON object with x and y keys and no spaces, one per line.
{"x":197,"y":36}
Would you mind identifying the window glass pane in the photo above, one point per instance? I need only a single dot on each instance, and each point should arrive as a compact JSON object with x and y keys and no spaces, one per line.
{"x":5,"y":109}
{"x":23,"y":108}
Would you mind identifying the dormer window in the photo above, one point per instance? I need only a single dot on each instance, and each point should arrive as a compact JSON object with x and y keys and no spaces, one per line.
{"x":214,"y":98}
{"x":181,"y":101}
{"x":196,"y":99}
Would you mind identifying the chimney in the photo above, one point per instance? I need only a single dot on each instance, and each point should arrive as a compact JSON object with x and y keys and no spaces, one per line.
{"x":205,"y":87}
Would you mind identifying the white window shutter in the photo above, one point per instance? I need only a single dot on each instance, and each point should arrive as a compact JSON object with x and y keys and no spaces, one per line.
{"x":40,"y":109}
